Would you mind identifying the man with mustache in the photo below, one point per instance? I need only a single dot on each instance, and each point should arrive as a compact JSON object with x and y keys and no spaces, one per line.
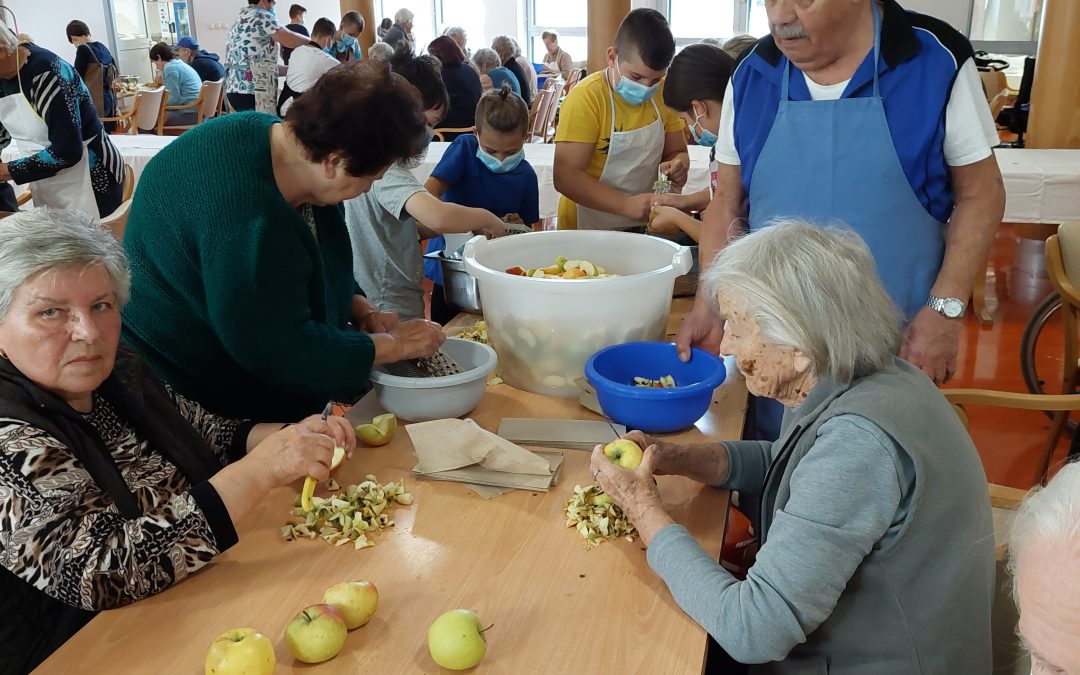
{"x":859,"y":112}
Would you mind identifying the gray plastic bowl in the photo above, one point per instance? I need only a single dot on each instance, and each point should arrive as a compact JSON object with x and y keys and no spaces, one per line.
{"x":422,"y":399}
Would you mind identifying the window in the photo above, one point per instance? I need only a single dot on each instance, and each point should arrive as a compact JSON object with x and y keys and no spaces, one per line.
{"x":464,"y":13}
{"x":692,"y":20}
{"x":758,"y":24}
{"x":568,"y":18}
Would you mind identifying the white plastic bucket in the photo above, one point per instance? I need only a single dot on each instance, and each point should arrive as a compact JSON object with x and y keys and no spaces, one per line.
{"x":545,"y":329}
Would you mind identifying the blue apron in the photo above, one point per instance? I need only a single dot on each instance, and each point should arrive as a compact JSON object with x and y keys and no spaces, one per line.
{"x":834,"y":162}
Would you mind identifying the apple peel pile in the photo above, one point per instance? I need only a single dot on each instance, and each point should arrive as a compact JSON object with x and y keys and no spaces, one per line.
{"x":348,"y":517}
{"x":596,"y":517}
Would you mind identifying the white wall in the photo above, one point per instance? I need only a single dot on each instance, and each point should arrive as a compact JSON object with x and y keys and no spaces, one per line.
{"x":956,"y":12}
{"x":45,"y":21}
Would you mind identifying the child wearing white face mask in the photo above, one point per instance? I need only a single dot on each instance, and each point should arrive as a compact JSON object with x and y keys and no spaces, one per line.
{"x":695,"y":86}
{"x":486,"y":170}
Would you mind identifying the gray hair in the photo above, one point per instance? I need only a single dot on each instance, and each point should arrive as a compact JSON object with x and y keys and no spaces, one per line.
{"x":503,"y":43}
{"x":486,"y":57}
{"x":40,"y":240}
{"x":456,"y":32}
{"x":403,"y":16}
{"x":738,"y":44}
{"x":715,"y":42}
{"x":380,"y":52}
{"x":9,"y":41}
{"x":1050,"y":514}
{"x":814,"y":289}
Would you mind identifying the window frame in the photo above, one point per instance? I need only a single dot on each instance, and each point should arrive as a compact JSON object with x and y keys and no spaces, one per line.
{"x":739,"y":23}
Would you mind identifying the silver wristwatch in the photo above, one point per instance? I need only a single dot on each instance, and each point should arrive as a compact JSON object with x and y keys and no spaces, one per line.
{"x":950,"y":308}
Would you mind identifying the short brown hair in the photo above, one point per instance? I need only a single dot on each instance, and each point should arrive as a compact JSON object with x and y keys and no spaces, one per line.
{"x":297,"y":10}
{"x":363,"y":112}
{"x":550,"y":35}
{"x":161,"y":51}
{"x":503,"y":111}
{"x":353,"y":19}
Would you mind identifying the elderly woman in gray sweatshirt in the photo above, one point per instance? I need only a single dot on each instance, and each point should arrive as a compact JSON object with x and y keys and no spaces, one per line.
{"x":871,"y":508}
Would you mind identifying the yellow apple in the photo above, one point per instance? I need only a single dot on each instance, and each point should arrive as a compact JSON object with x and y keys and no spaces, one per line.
{"x":456,"y":640}
{"x":316,"y":634}
{"x":380,"y":432}
{"x":626,"y":454}
{"x":356,"y":600}
{"x":241,"y":651}
{"x":309,"y":483}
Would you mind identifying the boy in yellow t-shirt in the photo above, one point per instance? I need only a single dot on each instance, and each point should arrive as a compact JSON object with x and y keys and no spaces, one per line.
{"x":615,"y":132}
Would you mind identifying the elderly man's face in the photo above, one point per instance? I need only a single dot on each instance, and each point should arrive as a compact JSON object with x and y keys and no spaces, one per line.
{"x":186,"y":55}
{"x":62,"y":330}
{"x":1048,"y":591}
{"x":771,"y":370}
{"x":813,"y":33}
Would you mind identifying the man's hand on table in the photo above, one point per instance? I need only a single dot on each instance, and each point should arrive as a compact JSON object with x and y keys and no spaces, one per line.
{"x":635,"y":492}
{"x":931,"y":343}
{"x":701,"y":328}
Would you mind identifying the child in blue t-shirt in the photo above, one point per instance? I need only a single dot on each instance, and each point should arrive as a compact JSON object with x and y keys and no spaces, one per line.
{"x":487,"y":171}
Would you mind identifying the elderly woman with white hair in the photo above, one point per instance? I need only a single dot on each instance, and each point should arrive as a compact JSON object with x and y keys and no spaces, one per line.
{"x":458,"y":35}
{"x":112,"y":486}
{"x":400,"y":34}
{"x":69,"y":161}
{"x":1044,"y":551}
{"x":871,"y":508}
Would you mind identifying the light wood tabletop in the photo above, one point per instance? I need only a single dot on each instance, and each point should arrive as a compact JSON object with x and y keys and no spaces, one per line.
{"x":556,"y":608}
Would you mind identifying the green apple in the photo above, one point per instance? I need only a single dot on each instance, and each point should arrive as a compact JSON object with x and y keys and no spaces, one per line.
{"x":626,"y":454}
{"x":239,"y":651}
{"x":456,"y":640}
{"x":356,"y":600}
{"x":316,"y":634}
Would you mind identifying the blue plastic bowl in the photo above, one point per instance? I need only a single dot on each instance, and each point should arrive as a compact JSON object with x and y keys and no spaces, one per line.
{"x":612,"y":371}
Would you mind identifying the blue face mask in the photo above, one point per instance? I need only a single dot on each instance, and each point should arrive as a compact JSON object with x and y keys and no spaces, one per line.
{"x":706,"y":139}
{"x":634,"y":93}
{"x":494,"y":165}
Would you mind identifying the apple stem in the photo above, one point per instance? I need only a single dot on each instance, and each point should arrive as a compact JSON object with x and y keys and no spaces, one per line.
{"x":487,"y":629}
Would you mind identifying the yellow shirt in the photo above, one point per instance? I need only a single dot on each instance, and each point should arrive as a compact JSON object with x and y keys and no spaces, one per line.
{"x":585,"y":117}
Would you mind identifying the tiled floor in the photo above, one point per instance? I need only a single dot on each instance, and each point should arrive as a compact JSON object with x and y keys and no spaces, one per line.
{"x":1010,"y":442}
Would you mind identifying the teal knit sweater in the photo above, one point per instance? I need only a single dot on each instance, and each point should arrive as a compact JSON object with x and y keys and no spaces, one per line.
{"x":233,"y":300}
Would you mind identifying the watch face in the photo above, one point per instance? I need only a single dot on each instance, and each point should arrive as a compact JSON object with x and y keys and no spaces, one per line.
{"x":953,"y":308}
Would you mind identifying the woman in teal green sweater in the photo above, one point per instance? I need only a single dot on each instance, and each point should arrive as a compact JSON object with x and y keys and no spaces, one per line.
{"x":242,"y":291}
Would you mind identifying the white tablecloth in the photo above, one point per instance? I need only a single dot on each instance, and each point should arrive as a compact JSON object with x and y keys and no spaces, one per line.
{"x":1043,"y":186}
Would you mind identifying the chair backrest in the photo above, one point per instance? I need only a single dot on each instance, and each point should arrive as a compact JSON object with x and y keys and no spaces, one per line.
{"x":117,"y":220}
{"x":210,"y":99}
{"x":151,"y":108}
{"x":440,"y":133}
{"x":573,"y":79}
{"x":1069,"y":239}
{"x":129,"y":182}
{"x":549,"y":116}
{"x":545,"y":101}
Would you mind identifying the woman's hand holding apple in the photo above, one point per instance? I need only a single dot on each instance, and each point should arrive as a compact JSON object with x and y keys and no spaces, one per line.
{"x":634,"y":491}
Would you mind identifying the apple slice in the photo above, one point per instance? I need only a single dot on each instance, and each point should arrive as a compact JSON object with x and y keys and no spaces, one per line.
{"x":516,"y":271}
{"x":309,"y":483}
{"x":588,"y":268}
{"x":576,"y":273}
{"x":571,"y":265}
{"x":380,"y":432}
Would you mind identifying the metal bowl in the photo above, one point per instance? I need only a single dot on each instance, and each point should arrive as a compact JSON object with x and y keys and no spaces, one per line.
{"x":459,"y":289}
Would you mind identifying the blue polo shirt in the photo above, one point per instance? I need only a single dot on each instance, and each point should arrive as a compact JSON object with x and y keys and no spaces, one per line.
{"x":920,"y":59}
{"x":473,"y":184}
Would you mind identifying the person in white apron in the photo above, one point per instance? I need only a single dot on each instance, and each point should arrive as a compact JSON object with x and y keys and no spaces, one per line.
{"x":66,"y":157}
{"x":614,"y":138}
{"x":694,"y":89}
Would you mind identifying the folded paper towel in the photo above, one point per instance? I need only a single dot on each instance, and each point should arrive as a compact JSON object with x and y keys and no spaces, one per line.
{"x":444,"y":445}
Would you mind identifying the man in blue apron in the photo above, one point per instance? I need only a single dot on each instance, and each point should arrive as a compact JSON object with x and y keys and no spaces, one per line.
{"x":858,"y":112}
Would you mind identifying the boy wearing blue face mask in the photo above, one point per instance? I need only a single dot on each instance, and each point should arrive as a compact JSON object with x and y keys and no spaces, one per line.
{"x":615,"y":132}
{"x":694,"y":88}
{"x":487,"y":171}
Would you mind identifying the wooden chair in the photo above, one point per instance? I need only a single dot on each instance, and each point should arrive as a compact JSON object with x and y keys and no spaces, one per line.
{"x":147,"y":112}
{"x":996,"y":88}
{"x":1063,"y":266}
{"x":1060,"y":403}
{"x":207,"y":106}
{"x":540,"y":121}
{"x":440,"y":133}
{"x":572,"y":80}
{"x":117,"y":220}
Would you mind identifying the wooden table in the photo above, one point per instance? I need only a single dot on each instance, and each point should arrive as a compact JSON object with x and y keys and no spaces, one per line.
{"x":556,"y":608}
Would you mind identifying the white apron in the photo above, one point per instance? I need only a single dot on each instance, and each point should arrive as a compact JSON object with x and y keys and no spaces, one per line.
{"x":632,"y":160}
{"x":264,"y":75}
{"x":70,"y":188}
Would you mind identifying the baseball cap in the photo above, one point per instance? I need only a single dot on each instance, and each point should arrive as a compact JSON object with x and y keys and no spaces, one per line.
{"x":187,"y":42}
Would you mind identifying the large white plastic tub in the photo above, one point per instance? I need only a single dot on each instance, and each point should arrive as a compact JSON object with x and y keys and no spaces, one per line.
{"x":545,"y":329}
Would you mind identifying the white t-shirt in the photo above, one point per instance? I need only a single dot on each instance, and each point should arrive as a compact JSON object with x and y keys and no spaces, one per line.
{"x":306,"y":65}
{"x":970,"y":132}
